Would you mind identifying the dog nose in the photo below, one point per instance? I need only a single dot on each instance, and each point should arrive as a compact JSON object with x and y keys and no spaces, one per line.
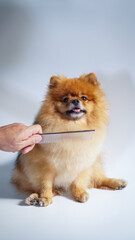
{"x":75,"y":102}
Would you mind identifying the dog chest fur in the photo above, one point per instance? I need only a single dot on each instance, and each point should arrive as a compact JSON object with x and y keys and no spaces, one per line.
{"x":72,"y":157}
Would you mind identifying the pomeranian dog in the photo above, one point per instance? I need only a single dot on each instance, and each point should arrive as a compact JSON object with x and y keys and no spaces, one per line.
{"x":71,"y":105}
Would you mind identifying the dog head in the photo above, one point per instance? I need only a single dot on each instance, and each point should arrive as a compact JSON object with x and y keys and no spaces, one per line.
{"x":76,"y":98}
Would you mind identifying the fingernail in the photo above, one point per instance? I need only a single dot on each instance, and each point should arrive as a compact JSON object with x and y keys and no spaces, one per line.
{"x":38,"y":138}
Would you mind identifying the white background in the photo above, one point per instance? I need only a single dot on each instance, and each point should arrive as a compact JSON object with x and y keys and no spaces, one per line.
{"x":39,"y":39}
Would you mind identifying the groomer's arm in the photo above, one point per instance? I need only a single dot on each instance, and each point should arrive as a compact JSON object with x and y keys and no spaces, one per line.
{"x":17,"y":136}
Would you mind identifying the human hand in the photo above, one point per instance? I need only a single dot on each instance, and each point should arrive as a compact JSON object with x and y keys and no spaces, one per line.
{"x":17,"y":136}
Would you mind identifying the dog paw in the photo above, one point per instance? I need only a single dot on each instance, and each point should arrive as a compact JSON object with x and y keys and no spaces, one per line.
{"x":34,"y":200}
{"x":44,"y":202}
{"x":120,"y":184}
{"x":82,"y":197}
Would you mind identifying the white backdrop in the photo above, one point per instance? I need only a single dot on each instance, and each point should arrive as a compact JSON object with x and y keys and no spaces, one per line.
{"x":37,"y":40}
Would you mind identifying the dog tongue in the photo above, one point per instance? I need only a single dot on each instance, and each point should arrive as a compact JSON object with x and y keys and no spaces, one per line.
{"x":76,"y":109}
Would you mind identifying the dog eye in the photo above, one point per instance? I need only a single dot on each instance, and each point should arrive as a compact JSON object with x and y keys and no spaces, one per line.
{"x":84,"y":98}
{"x":65,"y":99}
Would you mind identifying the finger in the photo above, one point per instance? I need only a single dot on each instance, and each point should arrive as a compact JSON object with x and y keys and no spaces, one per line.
{"x":32,"y":140}
{"x":35,"y":129}
{"x":27,"y":149}
{"x":29,"y":131}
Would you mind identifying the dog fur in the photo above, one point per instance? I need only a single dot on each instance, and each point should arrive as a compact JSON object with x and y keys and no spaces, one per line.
{"x":70,"y":105}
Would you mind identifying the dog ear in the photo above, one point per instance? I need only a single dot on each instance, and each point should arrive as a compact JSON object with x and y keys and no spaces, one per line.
{"x":91,"y":77}
{"x":54,"y":81}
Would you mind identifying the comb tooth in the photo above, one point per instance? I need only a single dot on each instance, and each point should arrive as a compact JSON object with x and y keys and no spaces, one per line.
{"x":77,"y":136}
{"x":50,"y":138}
{"x":57,"y":137}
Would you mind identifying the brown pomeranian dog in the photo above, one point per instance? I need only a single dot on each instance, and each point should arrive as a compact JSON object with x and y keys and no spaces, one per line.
{"x":71,"y":105}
